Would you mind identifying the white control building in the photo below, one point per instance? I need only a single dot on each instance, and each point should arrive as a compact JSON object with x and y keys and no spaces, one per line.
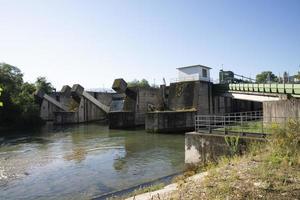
{"x":194,"y":73}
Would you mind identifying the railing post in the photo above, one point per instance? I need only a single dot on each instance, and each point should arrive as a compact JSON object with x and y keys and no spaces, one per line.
{"x":224,"y":124}
{"x":195,"y":118}
{"x":209,"y":125}
{"x":262,"y":126}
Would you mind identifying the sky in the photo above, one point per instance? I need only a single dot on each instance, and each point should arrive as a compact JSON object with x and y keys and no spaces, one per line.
{"x":92,"y":42}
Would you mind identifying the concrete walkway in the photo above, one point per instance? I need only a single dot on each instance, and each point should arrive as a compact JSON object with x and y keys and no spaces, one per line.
{"x":166,"y":191}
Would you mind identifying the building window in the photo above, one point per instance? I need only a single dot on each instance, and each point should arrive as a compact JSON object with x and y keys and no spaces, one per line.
{"x":204,"y":73}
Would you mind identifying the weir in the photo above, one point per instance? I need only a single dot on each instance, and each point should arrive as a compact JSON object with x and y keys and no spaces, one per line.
{"x":74,"y":105}
{"x":169,"y":108}
{"x":49,"y":104}
{"x":78,"y":91}
{"x":130,"y":105}
{"x":84,"y":107}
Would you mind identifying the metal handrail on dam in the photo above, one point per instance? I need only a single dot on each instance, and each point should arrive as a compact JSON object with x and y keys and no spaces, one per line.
{"x":252,"y":124}
{"x":246,"y":123}
{"x":276,"y":88}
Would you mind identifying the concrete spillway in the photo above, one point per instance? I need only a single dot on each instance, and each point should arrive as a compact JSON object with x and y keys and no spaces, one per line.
{"x":54,"y":102}
{"x":49,"y":105}
{"x":100,"y":105}
{"x":78,"y":92}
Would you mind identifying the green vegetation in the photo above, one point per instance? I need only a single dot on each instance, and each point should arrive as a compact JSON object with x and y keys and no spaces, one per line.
{"x":266,"y":76}
{"x":249,"y":127}
{"x":19,"y":107}
{"x":1,"y":103}
{"x":232,"y":142}
{"x":297,"y":76}
{"x":136,"y":83}
{"x":268,"y":171}
{"x":42,"y":84}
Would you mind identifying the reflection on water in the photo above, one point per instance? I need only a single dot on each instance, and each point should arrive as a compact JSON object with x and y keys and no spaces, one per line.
{"x":83,"y":161}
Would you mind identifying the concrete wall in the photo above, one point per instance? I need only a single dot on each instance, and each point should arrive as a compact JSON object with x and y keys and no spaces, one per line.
{"x":190,"y":95}
{"x":145,"y":97}
{"x":85,"y":112}
{"x":168,"y":121}
{"x":88,"y":111}
{"x":103,"y":97}
{"x":201,"y":148}
{"x":203,"y":95}
{"x":223,"y":105}
{"x":121,"y":120}
{"x":65,"y":117}
{"x":135,"y":107}
{"x":47,"y":110}
{"x":279,"y":110}
{"x":185,"y":99}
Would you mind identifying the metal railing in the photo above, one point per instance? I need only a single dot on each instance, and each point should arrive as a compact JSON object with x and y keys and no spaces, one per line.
{"x":278,"y":88}
{"x":240,"y":122}
{"x":252,"y":124}
{"x":220,"y":121}
{"x":189,"y":78}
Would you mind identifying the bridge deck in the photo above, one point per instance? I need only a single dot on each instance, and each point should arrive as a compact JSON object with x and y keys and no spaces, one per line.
{"x":275,"y":88}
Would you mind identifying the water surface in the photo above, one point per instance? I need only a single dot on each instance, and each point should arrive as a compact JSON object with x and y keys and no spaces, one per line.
{"x":83,"y":161}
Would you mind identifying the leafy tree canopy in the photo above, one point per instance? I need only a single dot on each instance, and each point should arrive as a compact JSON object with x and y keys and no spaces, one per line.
{"x":1,"y":103}
{"x":42,"y":84}
{"x":297,"y":76}
{"x":266,"y":76}
{"x":136,"y":83}
{"x":19,"y":107}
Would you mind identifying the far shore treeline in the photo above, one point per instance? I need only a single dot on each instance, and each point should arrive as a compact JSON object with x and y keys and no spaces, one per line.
{"x":19,"y":108}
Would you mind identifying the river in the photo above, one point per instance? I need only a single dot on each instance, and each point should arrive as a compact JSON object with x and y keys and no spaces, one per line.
{"x":83,"y":161}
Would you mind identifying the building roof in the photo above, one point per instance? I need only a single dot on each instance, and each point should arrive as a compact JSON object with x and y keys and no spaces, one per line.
{"x":202,"y":66}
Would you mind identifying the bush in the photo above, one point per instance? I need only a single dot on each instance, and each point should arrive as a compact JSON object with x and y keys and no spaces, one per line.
{"x":285,"y":143}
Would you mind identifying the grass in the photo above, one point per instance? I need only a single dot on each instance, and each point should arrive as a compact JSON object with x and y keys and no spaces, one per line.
{"x":269,"y":171}
{"x":249,"y":127}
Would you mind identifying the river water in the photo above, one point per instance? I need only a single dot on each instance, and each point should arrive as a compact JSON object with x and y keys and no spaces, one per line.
{"x":83,"y":161}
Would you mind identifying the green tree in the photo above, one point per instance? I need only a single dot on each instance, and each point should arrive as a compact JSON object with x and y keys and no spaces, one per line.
{"x":297,"y":76}
{"x":136,"y":83}
{"x":266,"y":76}
{"x":42,"y":84}
{"x":1,"y":103}
{"x":11,"y":80}
{"x":19,"y":107}
{"x":144,"y":83}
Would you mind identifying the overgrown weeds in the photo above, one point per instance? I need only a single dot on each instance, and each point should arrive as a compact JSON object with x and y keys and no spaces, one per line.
{"x":267,"y":171}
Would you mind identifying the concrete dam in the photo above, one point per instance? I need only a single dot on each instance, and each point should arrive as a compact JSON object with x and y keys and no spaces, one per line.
{"x":166,"y":108}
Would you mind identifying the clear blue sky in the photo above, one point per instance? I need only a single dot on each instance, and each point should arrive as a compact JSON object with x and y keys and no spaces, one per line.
{"x":92,"y":42}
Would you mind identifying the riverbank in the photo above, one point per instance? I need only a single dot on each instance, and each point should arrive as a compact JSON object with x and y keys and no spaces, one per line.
{"x":239,"y":178}
{"x":269,"y":171}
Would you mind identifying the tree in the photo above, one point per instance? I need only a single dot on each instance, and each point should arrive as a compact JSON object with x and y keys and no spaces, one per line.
{"x":11,"y":80}
{"x":42,"y":84}
{"x":144,"y":83}
{"x":136,"y":83}
{"x":19,"y":108}
{"x":297,"y":76}
{"x":266,"y":76}
{"x":1,"y":103}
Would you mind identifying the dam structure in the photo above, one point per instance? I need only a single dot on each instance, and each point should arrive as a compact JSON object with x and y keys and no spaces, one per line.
{"x":174,"y":107}
{"x":192,"y":93}
{"x":74,"y":105}
{"x":129,"y":107}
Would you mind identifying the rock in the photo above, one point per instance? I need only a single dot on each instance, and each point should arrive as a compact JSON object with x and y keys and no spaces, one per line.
{"x":262,"y":185}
